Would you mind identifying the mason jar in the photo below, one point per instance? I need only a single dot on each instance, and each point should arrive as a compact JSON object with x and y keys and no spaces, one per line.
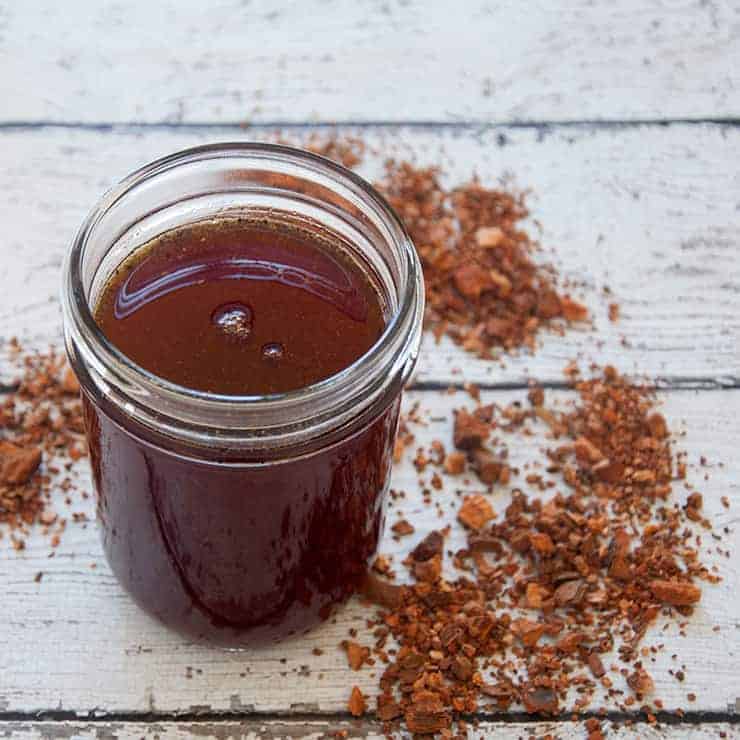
{"x":242,"y":519}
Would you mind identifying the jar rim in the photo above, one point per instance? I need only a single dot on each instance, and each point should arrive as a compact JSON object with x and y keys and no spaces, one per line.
{"x":81,"y":327}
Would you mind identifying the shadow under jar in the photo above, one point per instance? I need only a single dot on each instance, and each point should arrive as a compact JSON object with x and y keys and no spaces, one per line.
{"x":241,"y":519}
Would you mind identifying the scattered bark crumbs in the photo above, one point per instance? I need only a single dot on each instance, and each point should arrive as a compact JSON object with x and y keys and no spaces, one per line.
{"x":357,"y":655}
{"x":347,"y":150}
{"x":484,"y":288}
{"x":42,"y":435}
{"x":553,"y":593}
{"x":357,"y":704}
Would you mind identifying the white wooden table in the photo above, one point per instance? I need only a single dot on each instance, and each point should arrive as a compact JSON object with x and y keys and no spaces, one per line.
{"x":624,"y":119}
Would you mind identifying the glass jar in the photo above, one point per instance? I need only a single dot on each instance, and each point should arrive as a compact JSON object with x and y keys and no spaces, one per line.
{"x":242,"y":519}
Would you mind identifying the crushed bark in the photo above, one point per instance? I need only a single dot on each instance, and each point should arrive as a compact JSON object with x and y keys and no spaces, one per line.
{"x":42,"y":433}
{"x":484,"y":287}
{"x":357,"y":704}
{"x":357,"y":655}
{"x":552,"y":587}
{"x":347,"y":150}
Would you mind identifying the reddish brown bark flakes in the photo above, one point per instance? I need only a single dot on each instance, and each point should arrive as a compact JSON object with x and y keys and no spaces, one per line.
{"x":539,"y":700}
{"x":387,"y":708}
{"x":676,"y":593}
{"x":536,"y":396}
{"x":593,"y":564}
{"x":596,"y":666}
{"x":347,"y":150}
{"x":535,"y":595}
{"x":593,"y":727}
{"x":426,"y":714}
{"x":475,"y":512}
{"x":381,"y":592}
{"x":402,"y":528}
{"x":573,"y":310}
{"x":570,"y":593}
{"x":586,"y":451}
{"x":527,"y":631}
{"x":430,"y":546}
{"x":487,"y":466}
{"x":483,"y":287}
{"x":641,"y":682}
{"x":469,"y":431}
{"x":356,"y":654}
{"x":657,"y":425}
{"x":41,"y":420}
{"x":489,"y":237}
{"x":17,"y":464}
{"x":471,"y":280}
{"x":454,"y":463}
{"x":357,"y":704}
{"x":542,"y":543}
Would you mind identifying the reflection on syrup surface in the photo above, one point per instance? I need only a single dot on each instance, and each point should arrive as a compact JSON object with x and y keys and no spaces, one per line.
{"x":236,"y":308}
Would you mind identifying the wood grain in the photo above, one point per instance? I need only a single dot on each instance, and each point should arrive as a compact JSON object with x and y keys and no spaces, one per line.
{"x":75,"y":642}
{"x":315,"y":730}
{"x":651,"y":211}
{"x":339,"y":60}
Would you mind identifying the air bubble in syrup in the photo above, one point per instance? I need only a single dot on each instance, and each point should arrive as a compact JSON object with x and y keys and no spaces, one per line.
{"x":273,"y":351}
{"x":234,"y":319}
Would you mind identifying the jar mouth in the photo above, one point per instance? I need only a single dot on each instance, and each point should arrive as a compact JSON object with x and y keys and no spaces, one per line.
{"x":184,"y":411}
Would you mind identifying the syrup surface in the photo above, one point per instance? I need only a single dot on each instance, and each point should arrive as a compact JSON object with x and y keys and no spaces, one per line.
{"x":236,"y":308}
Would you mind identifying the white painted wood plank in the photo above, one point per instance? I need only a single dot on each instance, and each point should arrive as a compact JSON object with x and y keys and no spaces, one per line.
{"x":75,"y":641}
{"x":342,"y":60}
{"x":652,"y":211}
{"x":252,"y":729}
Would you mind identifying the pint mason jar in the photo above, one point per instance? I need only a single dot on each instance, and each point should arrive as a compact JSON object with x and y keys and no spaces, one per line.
{"x":242,"y":519}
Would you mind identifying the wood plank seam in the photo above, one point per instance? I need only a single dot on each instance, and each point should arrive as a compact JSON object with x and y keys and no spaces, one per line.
{"x":462,"y":125}
{"x":101,"y":717}
{"x":666,"y":383}
{"x":286,"y":728}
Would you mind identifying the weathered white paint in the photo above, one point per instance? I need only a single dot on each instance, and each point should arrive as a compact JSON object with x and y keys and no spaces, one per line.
{"x":395,"y":60}
{"x":255,"y":730}
{"x":75,"y":642}
{"x":651,"y":211}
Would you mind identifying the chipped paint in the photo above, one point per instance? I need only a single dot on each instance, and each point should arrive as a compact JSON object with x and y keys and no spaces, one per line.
{"x":236,"y":705}
{"x":150,"y":699}
{"x":200,"y":709}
